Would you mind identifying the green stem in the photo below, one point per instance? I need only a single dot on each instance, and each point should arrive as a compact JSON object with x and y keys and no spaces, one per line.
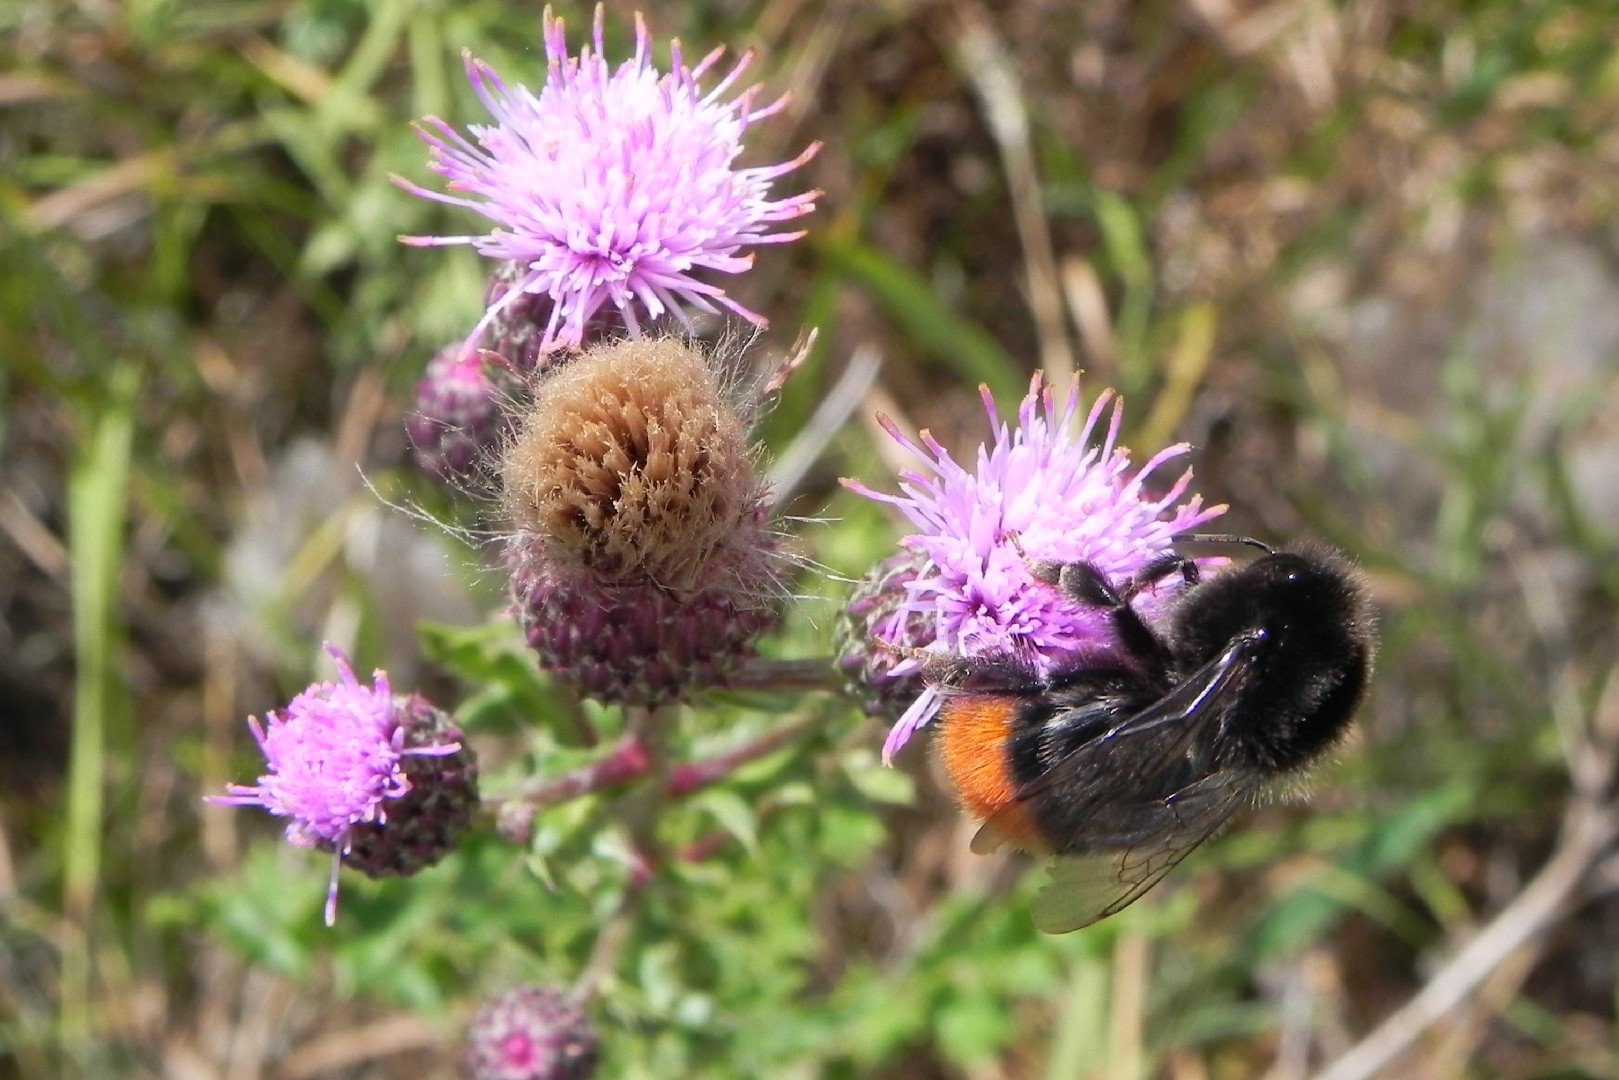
{"x":97,"y":499}
{"x":640,"y":809}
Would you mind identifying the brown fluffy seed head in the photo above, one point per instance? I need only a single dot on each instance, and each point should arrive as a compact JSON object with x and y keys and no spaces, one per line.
{"x":633,"y":466}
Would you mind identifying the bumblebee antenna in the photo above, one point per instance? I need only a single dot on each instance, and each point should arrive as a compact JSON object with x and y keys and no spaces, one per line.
{"x":1225,"y":538}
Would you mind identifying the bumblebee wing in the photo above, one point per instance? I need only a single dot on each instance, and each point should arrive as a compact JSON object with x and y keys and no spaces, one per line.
{"x":1123,"y":809}
{"x":990,"y":839}
{"x":1108,"y":792}
{"x":1085,"y":888}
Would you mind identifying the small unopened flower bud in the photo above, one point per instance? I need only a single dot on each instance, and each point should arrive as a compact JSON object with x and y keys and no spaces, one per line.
{"x":380,"y":780}
{"x":530,"y":1033}
{"x":641,"y":558}
{"x":459,"y":414}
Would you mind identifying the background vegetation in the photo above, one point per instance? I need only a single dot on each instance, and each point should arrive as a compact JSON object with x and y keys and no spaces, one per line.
{"x":1361,"y":254}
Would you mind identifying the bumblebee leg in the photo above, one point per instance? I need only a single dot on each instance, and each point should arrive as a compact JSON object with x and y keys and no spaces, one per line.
{"x":1162,"y":566}
{"x":1081,"y":582}
{"x":1085,"y":584}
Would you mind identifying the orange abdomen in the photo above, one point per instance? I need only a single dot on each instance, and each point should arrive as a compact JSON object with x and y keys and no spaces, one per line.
{"x":974,"y":730}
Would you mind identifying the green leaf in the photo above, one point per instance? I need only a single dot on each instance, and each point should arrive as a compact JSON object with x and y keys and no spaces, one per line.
{"x":98,"y":493}
{"x":879,"y":783}
{"x":734,"y":814}
{"x":972,"y":1028}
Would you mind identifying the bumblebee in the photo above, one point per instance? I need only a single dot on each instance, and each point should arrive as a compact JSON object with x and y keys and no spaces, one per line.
{"x":1118,"y":771}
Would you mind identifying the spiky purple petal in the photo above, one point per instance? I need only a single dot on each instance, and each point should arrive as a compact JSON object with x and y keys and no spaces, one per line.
{"x":612,"y":187}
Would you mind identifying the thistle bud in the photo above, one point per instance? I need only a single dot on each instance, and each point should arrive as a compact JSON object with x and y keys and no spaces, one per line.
{"x":530,"y":1033}
{"x":641,"y":560}
{"x":459,"y":416}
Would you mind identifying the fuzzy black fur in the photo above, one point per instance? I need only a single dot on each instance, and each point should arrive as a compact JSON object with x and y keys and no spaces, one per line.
{"x":1127,"y":767}
{"x":1306,"y":630}
{"x":1310,"y":665}
{"x":1258,"y":673}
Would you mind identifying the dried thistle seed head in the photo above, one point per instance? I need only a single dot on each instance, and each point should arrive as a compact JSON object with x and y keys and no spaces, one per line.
{"x":642,"y":560}
{"x":632,"y":465}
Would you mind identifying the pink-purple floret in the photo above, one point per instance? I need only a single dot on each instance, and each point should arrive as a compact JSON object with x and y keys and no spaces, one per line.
{"x":334,"y":756}
{"x":612,"y":187}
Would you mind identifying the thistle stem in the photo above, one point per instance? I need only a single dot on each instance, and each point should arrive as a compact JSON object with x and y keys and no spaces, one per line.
{"x":817,"y":674}
{"x":627,"y":760}
{"x":687,"y":778}
{"x":608,"y":947}
{"x":639,"y":809}
{"x":706,"y":848}
{"x":630,"y":759}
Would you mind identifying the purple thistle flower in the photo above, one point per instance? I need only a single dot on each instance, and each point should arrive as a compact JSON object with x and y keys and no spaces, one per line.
{"x":1038,"y":494}
{"x":612,"y":187}
{"x":337,"y":756}
{"x":531,"y":1033}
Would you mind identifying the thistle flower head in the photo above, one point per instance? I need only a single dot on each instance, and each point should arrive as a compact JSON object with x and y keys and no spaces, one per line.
{"x":641,"y":558}
{"x":345,"y":759}
{"x":530,"y":1033}
{"x":612,"y":187}
{"x":1039,"y":493}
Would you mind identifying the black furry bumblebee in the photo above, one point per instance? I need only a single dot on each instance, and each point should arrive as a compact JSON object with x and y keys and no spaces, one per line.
{"x":1118,"y":771}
